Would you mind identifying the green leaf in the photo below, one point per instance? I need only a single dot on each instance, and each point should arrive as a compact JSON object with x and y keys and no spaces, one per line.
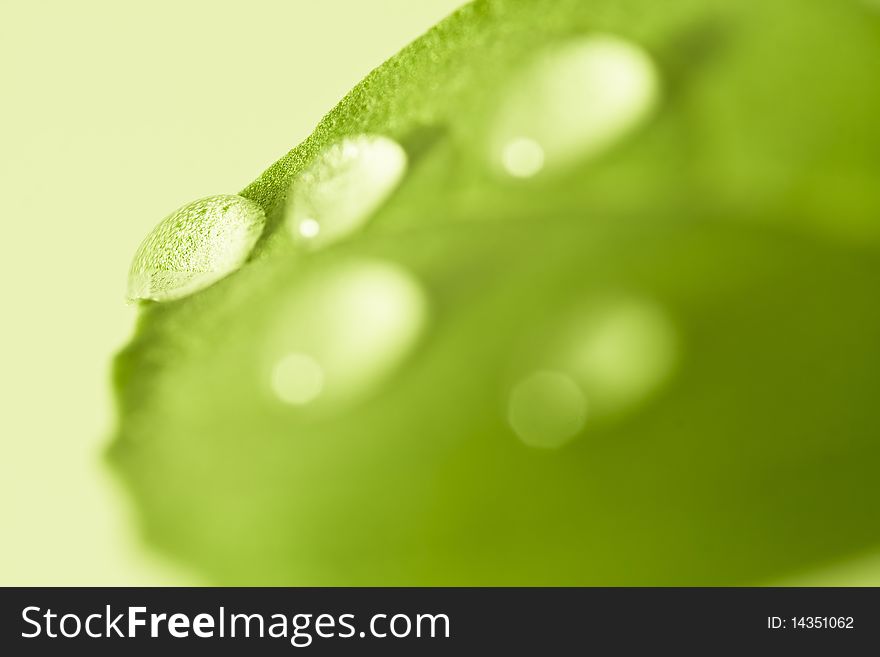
{"x":646,"y":354}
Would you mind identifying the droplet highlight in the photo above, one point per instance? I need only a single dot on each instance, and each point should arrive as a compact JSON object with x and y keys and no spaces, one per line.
{"x":352,"y":321}
{"x":523,"y":158}
{"x":297,"y":379}
{"x":194,"y":247}
{"x":343,"y":188}
{"x":547,"y":409}
{"x":573,"y":102}
{"x":309,"y":228}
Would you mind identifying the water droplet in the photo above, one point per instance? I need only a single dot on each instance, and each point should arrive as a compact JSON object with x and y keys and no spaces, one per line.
{"x":339,"y":192}
{"x":573,"y":102}
{"x":619,"y":350}
{"x":297,"y":379}
{"x":352,"y":321}
{"x":309,"y":228}
{"x":547,"y":409}
{"x":625,"y":351}
{"x":605,"y":358}
{"x":523,"y":158}
{"x":195,"y":247}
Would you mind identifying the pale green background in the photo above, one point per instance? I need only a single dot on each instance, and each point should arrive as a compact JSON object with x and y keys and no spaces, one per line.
{"x":114,"y":114}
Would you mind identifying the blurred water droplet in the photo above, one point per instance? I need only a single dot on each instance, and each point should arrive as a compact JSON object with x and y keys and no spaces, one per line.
{"x":574,"y":101}
{"x":619,"y":351}
{"x":194,"y":247}
{"x":309,"y":228}
{"x":607,"y":357}
{"x":297,"y":379}
{"x":624,"y":351}
{"x":356,"y":321}
{"x":345,"y":185}
{"x":523,"y":158}
{"x":547,"y":409}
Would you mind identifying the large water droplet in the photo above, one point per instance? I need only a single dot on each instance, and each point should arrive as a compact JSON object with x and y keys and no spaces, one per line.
{"x":547,"y":409}
{"x":194,"y":247}
{"x":574,"y":101}
{"x":339,"y":192}
{"x":344,"y":330}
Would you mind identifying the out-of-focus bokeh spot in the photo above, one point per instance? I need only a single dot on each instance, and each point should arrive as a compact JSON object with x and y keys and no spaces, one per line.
{"x":297,"y":379}
{"x":352,"y":321}
{"x":571,"y":102}
{"x":523,"y":157}
{"x":620,"y":351}
{"x":547,"y":409}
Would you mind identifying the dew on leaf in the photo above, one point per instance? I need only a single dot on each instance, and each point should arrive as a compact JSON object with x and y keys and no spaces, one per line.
{"x":607,"y":357}
{"x":354,"y":322}
{"x":625,"y":351}
{"x":572,"y":102}
{"x":195,"y":247}
{"x":297,"y":379}
{"x":309,"y":228}
{"x":547,"y":409}
{"x":523,"y":158}
{"x":619,"y":351}
{"x":346,"y":184}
